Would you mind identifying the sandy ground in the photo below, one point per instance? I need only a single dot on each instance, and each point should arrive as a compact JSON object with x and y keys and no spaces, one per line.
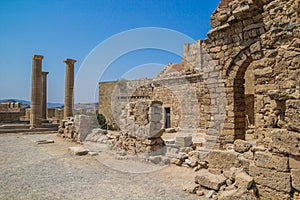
{"x":49,"y":171}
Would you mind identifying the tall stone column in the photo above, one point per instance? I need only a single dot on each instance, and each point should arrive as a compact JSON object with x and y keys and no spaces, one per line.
{"x":36,"y":92}
{"x":69,"y":88}
{"x":44,"y":95}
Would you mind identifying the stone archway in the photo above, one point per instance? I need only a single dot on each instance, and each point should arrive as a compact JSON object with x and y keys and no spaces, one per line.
{"x":235,"y":87}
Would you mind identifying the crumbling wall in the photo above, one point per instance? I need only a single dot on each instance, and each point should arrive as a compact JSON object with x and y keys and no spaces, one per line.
{"x":181,"y":94}
{"x":256,"y":33}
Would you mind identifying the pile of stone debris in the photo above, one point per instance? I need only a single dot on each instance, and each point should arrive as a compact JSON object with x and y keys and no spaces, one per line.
{"x":241,"y":171}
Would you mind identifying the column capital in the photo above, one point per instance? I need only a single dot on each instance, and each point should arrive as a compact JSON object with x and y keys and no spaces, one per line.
{"x":45,"y":73}
{"x":37,"y":57}
{"x":70,"y":61}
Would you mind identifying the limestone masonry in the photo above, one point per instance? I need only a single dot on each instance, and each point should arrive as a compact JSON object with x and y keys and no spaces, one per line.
{"x":241,"y":83}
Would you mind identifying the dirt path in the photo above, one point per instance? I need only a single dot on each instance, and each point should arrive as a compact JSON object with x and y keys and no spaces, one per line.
{"x":49,"y":171}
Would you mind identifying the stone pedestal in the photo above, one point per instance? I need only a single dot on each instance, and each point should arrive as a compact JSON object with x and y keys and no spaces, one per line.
{"x":69,"y":88}
{"x":36,"y":92}
{"x":44,"y":95}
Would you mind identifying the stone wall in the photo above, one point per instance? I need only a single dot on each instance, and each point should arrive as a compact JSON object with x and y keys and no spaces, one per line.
{"x":181,"y":94}
{"x":261,"y":34}
{"x":246,"y":71}
{"x":53,"y":114}
{"x":248,"y":62}
{"x":10,"y":112}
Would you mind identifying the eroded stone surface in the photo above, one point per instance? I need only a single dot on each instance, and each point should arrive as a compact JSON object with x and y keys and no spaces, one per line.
{"x":284,"y":141}
{"x":271,"y":161}
{"x":270,"y":178}
{"x":212,"y":181}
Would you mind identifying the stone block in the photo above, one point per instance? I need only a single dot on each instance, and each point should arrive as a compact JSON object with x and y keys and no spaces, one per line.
{"x":295,"y":175}
{"x":79,"y":151}
{"x":211,"y":181}
{"x":292,"y":115}
{"x":241,"y":146}
{"x":243,"y":180}
{"x":271,"y":161}
{"x":183,"y":140}
{"x":271,"y":178}
{"x":268,"y":193}
{"x":284,"y":141}
{"x":294,"y":162}
{"x":236,"y":194}
{"x":222,"y":159}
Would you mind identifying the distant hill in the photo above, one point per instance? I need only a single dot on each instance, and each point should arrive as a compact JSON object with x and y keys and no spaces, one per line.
{"x":26,"y":104}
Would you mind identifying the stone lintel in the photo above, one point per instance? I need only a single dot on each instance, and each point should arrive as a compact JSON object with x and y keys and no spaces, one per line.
{"x":70,"y":61}
{"x":37,"y":57}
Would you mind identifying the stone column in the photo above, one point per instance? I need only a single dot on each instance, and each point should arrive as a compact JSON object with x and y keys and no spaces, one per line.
{"x":69,"y":88}
{"x":36,"y":92}
{"x":44,"y":95}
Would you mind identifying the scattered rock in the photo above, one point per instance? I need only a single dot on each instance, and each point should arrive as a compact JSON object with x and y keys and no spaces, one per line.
{"x":236,"y":194}
{"x":44,"y":141}
{"x":155,"y":159}
{"x":79,"y":151}
{"x":243,"y":180}
{"x":92,"y":153}
{"x":211,"y":181}
{"x":176,"y":161}
{"x":191,"y":163}
{"x":210,"y":194}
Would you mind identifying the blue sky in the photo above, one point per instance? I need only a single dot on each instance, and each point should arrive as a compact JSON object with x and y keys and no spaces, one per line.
{"x":60,"y":29}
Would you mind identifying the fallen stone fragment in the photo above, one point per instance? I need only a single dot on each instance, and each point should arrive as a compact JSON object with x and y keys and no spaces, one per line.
{"x":79,"y":151}
{"x":243,"y":180}
{"x":92,"y":153}
{"x":236,"y":194}
{"x":210,"y":194}
{"x":155,"y":159}
{"x":176,"y":161}
{"x":211,"y":181}
{"x":44,"y":141}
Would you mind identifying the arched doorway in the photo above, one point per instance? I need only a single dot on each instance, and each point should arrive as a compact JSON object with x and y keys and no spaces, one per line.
{"x":238,"y":111}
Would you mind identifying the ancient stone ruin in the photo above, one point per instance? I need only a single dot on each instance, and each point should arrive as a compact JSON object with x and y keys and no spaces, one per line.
{"x":239,"y":90}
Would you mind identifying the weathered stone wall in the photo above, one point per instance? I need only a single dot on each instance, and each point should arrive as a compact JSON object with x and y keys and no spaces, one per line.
{"x":104,"y":106}
{"x":53,"y":114}
{"x":256,"y":33}
{"x":10,"y":112}
{"x":180,"y":94}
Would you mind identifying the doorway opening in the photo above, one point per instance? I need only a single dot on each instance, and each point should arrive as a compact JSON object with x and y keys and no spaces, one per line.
{"x":167,"y":117}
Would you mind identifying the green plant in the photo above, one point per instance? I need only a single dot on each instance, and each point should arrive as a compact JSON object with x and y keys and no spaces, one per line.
{"x":102,"y":121}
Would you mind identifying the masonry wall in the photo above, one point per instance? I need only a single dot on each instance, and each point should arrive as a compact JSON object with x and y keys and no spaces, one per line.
{"x":10,"y":112}
{"x":180,"y":94}
{"x":260,"y":34}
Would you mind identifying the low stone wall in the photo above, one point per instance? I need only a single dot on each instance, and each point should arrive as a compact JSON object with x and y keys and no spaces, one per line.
{"x":9,"y":116}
